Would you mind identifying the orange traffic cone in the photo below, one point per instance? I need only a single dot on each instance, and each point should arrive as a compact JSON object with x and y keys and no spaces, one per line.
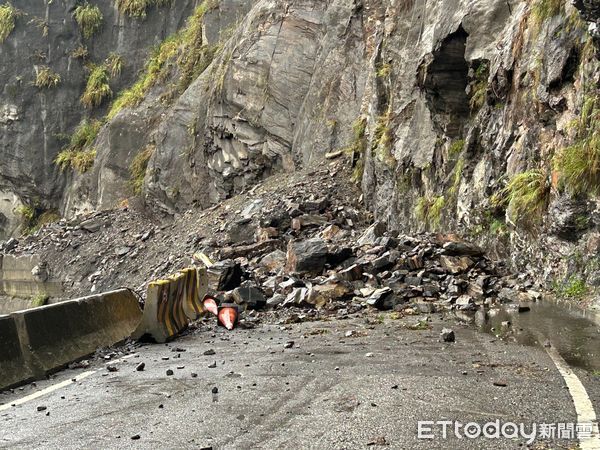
{"x":228,"y":316}
{"x":210,"y":304}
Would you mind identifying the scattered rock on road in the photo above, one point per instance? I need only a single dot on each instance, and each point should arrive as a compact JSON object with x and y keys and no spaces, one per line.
{"x":447,"y":335}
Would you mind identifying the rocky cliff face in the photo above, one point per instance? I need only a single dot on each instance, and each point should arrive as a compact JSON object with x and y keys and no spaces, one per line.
{"x":34,"y":121}
{"x":457,"y":115}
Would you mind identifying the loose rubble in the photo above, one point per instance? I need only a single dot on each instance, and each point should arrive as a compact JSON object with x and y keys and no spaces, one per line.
{"x":295,"y":248}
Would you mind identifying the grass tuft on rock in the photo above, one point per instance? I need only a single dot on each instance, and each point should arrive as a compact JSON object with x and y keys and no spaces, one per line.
{"x":89,"y":19}
{"x":429,"y":210}
{"x":527,"y":195}
{"x":114,"y":65}
{"x":357,"y":147}
{"x":34,"y":217}
{"x":138,"y":8}
{"x":80,"y":52}
{"x":479,"y":86}
{"x":46,"y":78}
{"x":579,"y":164}
{"x":39,"y":300}
{"x":79,"y":154}
{"x":97,"y":88}
{"x":137,"y":168}
{"x":382,"y":139}
{"x":8,"y":19}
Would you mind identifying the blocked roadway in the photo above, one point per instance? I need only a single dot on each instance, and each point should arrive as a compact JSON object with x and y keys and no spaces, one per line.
{"x":327,"y":391}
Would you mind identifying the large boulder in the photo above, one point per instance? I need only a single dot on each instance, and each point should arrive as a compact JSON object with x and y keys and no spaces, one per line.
{"x":308,"y":256}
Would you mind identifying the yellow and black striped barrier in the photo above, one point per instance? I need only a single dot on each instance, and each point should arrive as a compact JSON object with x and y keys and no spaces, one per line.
{"x":172,"y":303}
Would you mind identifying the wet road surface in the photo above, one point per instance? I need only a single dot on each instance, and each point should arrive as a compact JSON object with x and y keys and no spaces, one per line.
{"x":329,"y":391}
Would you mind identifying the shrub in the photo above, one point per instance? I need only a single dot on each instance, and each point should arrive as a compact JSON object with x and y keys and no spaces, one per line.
{"x":89,"y":19}
{"x":8,"y":18}
{"x":46,"y":78}
{"x":97,"y":88}
{"x":138,"y":167}
{"x":527,"y":194}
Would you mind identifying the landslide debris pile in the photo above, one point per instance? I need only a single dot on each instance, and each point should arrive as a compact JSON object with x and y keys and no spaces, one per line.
{"x":300,"y":243}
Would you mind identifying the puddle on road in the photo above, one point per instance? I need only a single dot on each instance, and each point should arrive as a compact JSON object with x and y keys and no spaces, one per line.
{"x":575,"y":336}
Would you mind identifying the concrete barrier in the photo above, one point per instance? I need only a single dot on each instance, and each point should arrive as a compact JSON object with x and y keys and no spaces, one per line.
{"x":172,"y":303}
{"x":14,"y":364}
{"x":37,"y":341}
{"x":26,"y":277}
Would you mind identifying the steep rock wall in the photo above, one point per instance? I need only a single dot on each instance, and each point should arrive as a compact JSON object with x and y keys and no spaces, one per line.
{"x":438,"y":105}
{"x":33,"y":120}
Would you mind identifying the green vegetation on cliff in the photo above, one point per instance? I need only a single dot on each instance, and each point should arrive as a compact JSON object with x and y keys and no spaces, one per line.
{"x":34,"y":217}
{"x":138,"y":167}
{"x":89,"y":18}
{"x":542,"y":10}
{"x":8,"y":17}
{"x":46,"y":78}
{"x":186,"y":50}
{"x":479,"y":86}
{"x":382,"y":139}
{"x":429,"y":210}
{"x":527,"y":195}
{"x":79,"y":155}
{"x":579,"y":163}
{"x":138,"y":8}
{"x":357,"y":147}
{"x":97,"y":87}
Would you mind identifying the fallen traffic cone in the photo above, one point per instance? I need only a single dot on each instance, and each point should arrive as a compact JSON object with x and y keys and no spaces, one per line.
{"x":210,"y":304}
{"x":228,"y":316}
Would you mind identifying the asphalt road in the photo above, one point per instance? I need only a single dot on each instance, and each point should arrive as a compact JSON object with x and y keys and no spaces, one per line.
{"x":329,"y":391}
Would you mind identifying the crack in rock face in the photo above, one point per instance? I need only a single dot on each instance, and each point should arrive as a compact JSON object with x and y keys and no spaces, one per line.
{"x":445,"y":84}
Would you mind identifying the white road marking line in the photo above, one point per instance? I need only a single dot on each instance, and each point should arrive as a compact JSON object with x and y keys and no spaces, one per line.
{"x":47,"y":390}
{"x":583,"y":404}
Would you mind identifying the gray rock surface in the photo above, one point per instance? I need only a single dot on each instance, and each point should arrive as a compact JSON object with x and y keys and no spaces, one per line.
{"x":32,"y":119}
{"x":452,"y":105}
